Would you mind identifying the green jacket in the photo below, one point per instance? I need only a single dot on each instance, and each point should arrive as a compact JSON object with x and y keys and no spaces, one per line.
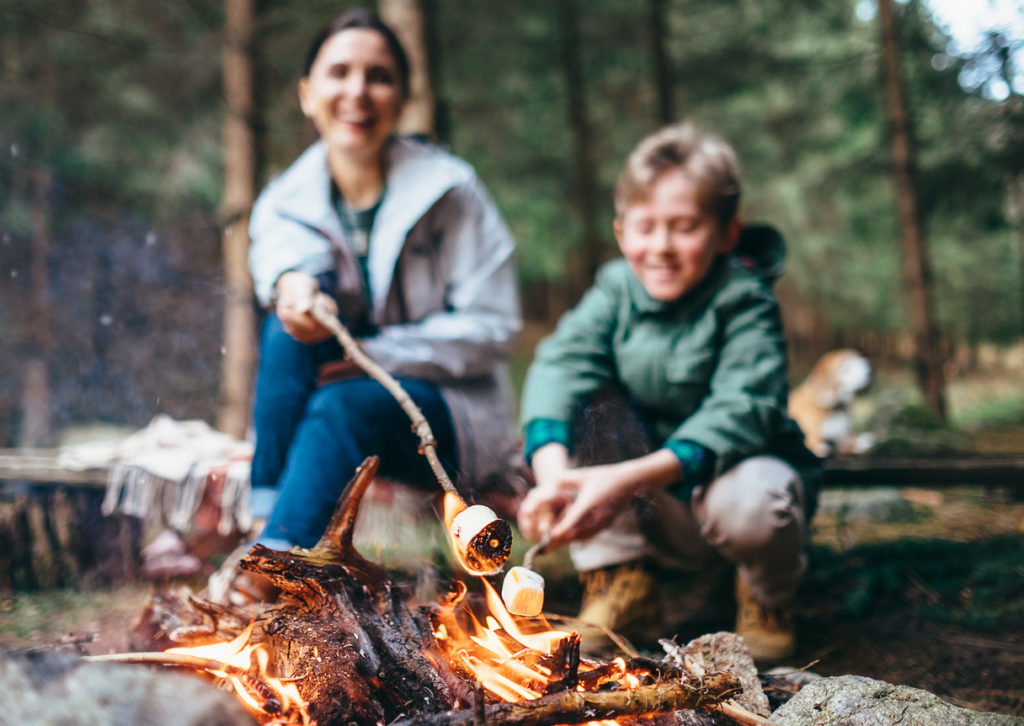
{"x":710,"y":368}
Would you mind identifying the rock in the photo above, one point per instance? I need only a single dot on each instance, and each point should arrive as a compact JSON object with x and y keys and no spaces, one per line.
{"x":878,"y":504}
{"x":781,"y":683}
{"x":59,"y":689}
{"x":860,"y":701}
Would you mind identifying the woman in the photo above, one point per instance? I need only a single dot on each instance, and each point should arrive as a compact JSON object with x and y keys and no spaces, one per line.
{"x":401,"y":240}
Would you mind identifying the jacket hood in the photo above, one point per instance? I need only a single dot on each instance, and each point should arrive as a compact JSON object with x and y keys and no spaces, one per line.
{"x":761,"y":250}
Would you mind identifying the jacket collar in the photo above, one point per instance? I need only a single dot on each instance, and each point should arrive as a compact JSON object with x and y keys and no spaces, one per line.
{"x":418,"y":175}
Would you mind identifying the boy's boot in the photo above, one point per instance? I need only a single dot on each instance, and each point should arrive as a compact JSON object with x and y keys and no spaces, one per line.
{"x":768,"y":631}
{"x":623,"y":599}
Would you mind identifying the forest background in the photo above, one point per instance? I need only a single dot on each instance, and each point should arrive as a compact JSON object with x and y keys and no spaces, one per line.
{"x":121,"y":232}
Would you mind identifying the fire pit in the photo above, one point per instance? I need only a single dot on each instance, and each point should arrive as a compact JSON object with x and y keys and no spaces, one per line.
{"x":340,"y":646}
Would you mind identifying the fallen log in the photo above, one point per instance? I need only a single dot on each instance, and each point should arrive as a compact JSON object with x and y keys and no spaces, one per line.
{"x":340,"y":631}
{"x":570,"y":707}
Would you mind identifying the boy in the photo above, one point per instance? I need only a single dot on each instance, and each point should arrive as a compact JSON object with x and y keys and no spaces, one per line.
{"x":694,"y":343}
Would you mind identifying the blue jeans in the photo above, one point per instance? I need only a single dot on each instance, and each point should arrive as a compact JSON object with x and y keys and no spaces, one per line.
{"x":310,"y":439}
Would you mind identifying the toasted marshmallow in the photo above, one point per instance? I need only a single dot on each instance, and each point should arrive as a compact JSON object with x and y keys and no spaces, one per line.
{"x":523,"y":592}
{"x":482,"y":539}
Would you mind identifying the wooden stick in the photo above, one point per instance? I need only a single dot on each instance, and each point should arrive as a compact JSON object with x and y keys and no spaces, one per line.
{"x":537,"y":549}
{"x":169,"y":659}
{"x":571,"y":707}
{"x":428,"y":444}
{"x":736,"y":712}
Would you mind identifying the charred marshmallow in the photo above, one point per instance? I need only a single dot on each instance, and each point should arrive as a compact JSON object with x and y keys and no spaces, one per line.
{"x":483,"y":540}
{"x":523,"y":592}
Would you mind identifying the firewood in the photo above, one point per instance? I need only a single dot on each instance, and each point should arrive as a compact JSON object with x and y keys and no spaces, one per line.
{"x":568,"y":707}
{"x":340,"y":631}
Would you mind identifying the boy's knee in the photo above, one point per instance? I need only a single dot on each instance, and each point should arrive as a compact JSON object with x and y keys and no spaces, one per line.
{"x":752,"y":503}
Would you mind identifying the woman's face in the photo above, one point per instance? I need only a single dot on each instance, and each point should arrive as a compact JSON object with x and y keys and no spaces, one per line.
{"x":668,"y":240}
{"x":352,"y":93}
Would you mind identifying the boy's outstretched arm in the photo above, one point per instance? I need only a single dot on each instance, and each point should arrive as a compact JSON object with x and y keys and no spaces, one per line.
{"x":579,"y":503}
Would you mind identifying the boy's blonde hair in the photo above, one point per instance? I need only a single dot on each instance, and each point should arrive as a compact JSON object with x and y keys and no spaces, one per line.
{"x":707,"y":159}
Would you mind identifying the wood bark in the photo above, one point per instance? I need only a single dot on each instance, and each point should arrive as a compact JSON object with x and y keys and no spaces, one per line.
{"x":1015,"y":205}
{"x":409,"y":21}
{"x":568,"y":707}
{"x":340,"y":630}
{"x":37,"y":420}
{"x":928,"y":359}
{"x":239,"y":138}
{"x":582,"y":271}
{"x":658,"y":24}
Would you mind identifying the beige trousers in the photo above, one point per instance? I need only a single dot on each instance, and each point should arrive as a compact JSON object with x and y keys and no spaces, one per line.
{"x":753,"y":516}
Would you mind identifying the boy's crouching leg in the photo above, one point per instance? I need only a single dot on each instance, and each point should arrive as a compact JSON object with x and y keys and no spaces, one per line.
{"x":621,"y":595}
{"x":754,"y":515}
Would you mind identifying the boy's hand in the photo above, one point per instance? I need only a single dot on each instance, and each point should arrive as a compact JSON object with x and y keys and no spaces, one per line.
{"x":600,"y":494}
{"x":544,"y":502}
{"x":574,"y":504}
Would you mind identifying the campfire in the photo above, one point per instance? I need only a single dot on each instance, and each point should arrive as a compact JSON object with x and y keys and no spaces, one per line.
{"x":340,"y":646}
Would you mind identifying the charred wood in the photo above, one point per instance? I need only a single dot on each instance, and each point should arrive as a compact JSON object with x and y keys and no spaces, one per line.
{"x":569,"y":707}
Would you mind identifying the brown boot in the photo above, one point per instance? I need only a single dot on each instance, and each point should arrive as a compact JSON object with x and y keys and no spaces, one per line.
{"x":623,"y":600}
{"x":768,"y":631}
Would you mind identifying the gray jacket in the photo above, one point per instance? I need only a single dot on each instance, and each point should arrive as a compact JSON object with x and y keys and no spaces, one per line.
{"x":441,"y":273}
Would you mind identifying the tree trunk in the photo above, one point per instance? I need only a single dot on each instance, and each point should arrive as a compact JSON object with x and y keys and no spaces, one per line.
{"x":408,"y":19}
{"x":580,"y":274}
{"x":1015,"y":196}
{"x":916,"y":267}
{"x":37,"y":423}
{"x":657,"y":23}
{"x":239,"y":194}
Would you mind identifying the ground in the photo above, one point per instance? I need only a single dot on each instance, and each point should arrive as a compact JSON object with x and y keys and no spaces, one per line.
{"x":933,"y":599}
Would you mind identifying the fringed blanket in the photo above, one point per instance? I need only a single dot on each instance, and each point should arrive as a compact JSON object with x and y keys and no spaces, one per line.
{"x":183,"y":474}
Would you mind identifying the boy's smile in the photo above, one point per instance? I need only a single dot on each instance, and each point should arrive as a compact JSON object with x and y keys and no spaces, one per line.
{"x":668,"y":240}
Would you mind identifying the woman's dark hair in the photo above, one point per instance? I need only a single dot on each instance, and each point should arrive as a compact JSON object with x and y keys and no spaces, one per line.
{"x":360,"y":18}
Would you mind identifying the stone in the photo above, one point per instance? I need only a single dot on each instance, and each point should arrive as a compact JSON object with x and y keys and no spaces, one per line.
{"x":878,"y":504}
{"x":860,"y":701}
{"x":60,"y":689}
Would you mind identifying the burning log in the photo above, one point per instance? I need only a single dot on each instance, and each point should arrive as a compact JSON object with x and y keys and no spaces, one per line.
{"x":569,"y":707}
{"x":341,"y":633}
{"x":340,"y":646}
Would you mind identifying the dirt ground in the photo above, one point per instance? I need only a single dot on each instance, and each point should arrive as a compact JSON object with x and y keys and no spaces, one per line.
{"x":933,"y":600}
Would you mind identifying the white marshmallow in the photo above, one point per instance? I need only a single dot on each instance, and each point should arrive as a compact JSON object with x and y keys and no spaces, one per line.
{"x":470,"y":522}
{"x":523,"y":592}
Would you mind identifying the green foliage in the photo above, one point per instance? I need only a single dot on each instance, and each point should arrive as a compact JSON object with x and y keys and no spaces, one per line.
{"x":976,"y":584}
{"x":121,"y":104}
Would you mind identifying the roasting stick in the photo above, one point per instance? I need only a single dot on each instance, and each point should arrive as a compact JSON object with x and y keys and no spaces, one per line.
{"x":428,"y":444}
{"x":483,"y":540}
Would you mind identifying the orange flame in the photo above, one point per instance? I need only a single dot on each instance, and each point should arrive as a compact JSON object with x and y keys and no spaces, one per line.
{"x":509,"y":655}
{"x":275,"y":702}
{"x":452,"y":506}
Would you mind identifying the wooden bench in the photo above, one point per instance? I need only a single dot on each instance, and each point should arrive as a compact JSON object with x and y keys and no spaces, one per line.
{"x":866,"y":470}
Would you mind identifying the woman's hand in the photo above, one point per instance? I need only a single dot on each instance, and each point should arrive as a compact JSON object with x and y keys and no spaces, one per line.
{"x":297,"y":294}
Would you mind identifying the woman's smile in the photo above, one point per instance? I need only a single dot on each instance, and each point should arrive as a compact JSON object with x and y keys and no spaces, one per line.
{"x":352,"y":92}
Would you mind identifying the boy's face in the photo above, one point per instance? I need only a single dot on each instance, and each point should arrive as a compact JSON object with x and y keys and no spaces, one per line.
{"x":668,"y":240}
